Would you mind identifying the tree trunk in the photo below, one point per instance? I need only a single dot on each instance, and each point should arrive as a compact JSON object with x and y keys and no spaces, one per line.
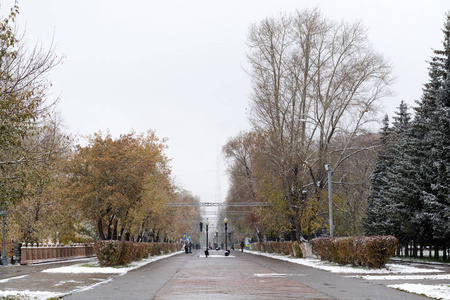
{"x":415,"y":248}
{"x":101,"y":235}
{"x":115,"y":237}
{"x":258,"y":234}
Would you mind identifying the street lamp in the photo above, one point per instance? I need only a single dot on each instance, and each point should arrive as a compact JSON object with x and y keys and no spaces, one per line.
{"x":329,"y":170}
{"x":4,"y":258}
{"x":207,"y":224}
{"x":330,"y":196}
{"x":217,"y":238}
{"x":225,"y":221}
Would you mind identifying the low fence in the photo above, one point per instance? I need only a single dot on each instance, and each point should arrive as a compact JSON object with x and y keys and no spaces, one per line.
{"x":39,"y":253}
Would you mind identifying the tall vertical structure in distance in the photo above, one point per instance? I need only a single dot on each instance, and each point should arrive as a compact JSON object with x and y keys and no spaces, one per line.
{"x":218,"y":185}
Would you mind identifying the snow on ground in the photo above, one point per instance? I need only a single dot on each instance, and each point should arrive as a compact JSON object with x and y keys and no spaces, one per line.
{"x":438,"y":291}
{"x":270,"y":275}
{"x":391,"y":272}
{"x":336,"y":268}
{"x":407,"y":277}
{"x":12,"y":278}
{"x":275,"y":275}
{"x":31,"y":294}
{"x":93,"y":268}
{"x":96,"y":268}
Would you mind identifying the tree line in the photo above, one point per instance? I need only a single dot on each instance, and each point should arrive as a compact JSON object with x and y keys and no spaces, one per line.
{"x":316,"y":89}
{"x":316,"y":86}
{"x":55,"y":191}
{"x":410,"y":194}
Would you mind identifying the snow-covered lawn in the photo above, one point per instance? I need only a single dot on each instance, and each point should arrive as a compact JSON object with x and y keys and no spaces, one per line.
{"x":439,"y":291}
{"x":96,"y":268}
{"x":391,"y":272}
{"x":26,"y":294}
{"x":92,"y":268}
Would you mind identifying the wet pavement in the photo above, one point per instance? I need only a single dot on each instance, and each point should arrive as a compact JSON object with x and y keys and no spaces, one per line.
{"x":32,"y":279}
{"x":192,"y":276}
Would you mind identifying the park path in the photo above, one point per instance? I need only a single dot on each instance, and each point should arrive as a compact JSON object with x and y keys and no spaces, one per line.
{"x":240,"y":276}
{"x":192,"y":276}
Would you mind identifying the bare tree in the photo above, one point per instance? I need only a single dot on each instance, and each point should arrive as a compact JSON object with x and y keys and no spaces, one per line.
{"x":24,"y":111}
{"x":312,"y":79}
{"x":240,"y":153}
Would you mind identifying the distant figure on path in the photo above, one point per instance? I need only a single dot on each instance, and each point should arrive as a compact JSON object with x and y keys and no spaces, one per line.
{"x":242,"y":246}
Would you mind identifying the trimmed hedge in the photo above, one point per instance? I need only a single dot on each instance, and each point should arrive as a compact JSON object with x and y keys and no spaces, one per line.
{"x":372,"y":251}
{"x":116,"y":253}
{"x":287,"y":248}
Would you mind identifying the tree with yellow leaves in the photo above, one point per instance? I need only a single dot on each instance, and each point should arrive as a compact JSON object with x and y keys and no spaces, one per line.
{"x":121,"y":184}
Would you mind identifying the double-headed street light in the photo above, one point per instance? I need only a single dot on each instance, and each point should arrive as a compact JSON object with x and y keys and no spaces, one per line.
{"x":225,"y":221}
{"x":328,"y":169}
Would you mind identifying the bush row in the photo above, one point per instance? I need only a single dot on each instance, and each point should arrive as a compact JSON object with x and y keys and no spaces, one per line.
{"x":287,"y":248}
{"x":373,"y":251}
{"x":116,"y":253}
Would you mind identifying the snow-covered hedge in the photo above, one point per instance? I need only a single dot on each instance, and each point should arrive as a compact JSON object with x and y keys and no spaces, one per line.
{"x":372,"y":251}
{"x":116,"y":253}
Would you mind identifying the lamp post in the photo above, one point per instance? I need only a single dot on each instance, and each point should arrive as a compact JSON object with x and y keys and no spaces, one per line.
{"x":207,"y":224}
{"x":329,"y":170}
{"x":330,"y":196}
{"x":4,"y":259}
{"x":225,"y":221}
{"x":217,"y":238}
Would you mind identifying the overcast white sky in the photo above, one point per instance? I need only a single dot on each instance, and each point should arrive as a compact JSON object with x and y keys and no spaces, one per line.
{"x":177,"y":67}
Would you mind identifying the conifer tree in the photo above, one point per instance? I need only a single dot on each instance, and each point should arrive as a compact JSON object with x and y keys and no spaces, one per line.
{"x":376,"y":221}
{"x":437,"y":196}
{"x":411,"y":182}
{"x":401,"y":187}
{"x":429,"y":142}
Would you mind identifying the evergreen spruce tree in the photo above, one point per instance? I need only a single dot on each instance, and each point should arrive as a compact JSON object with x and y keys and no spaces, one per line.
{"x":438,"y":70}
{"x":411,"y":181}
{"x":401,"y":191}
{"x":430,"y":142}
{"x":437,"y":196}
{"x":376,"y":221}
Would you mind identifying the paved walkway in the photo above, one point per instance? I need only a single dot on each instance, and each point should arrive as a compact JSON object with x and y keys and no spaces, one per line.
{"x":241,"y":276}
{"x":193,"y":277}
